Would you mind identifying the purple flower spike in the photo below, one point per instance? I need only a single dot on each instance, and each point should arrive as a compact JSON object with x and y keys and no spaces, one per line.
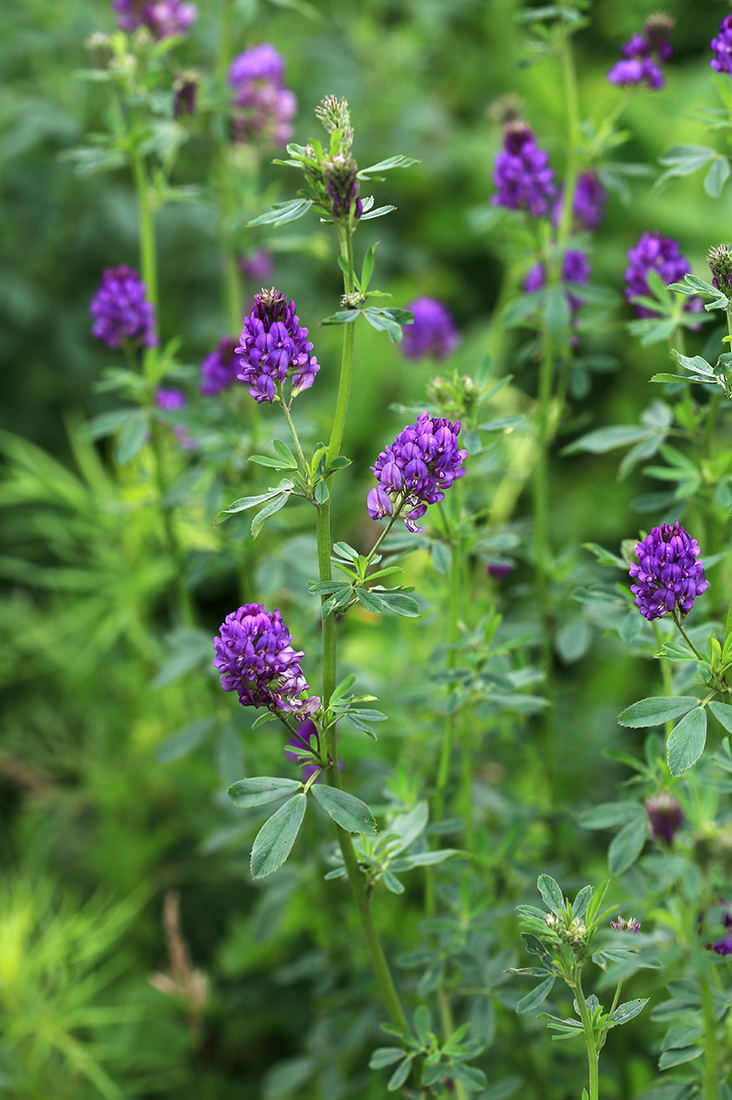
{"x":274,"y":347}
{"x":656,"y":253}
{"x":722,"y":47}
{"x":163,"y":18}
{"x":219,"y":370}
{"x":669,"y":575}
{"x":417,"y":468}
{"x":522,"y":173}
{"x":170,"y":397}
{"x":121,"y":310}
{"x":643,"y":54}
{"x":255,"y":657}
{"x":265,"y":107}
{"x":432,"y":332}
{"x":665,"y":817}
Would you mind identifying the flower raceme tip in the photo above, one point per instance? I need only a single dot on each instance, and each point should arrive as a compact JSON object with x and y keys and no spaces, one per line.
{"x":656,"y":253}
{"x":643,"y":54}
{"x":121,"y":310}
{"x":416,"y":469}
{"x":522,"y":174}
{"x":668,"y":576}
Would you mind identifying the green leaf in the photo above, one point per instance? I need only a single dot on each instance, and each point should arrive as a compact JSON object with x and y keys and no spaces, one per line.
{"x":377,"y":213}
{"x":580,"y":903}
{"x":131,"y":439}
{"x":606,"y":439}
{"x":283,"y":212}
{"x":273,"y":843}
{"x":557,"y":313}
{"x":382,"y":321}
{"x":349,"y":812}
{"x":284,"y":452}
{"x":400,"y":604}
{"x":716,"y":177}
{"x":385,"y":1056}
{"x":536,"y":996}
{"x":243,"y":503}
{"x":608,"y":815}
{"x":695,"y":364}
{"x":269,"y":510}
{"x":274,"y":463}
{"x":686,"y":741}
{"x":470,"y":1077}
{"x":629,"y":1010}
{"x":654,"y":710}
{"x":671,"y":1058}
{"x":369,"y":600}
{"x":342,"y":689}
{"x":398,"y":161}
{"x":322,"y":492}
{"x":368,"y":267}
{"x":423,"y":1024}
{"x":723,"y":713}
{"x":344,"y":551}
{"x":627,"y":845}
{"x":399,"y":1075}
{"x":551,"y":895}
{"x":339,"y":463}
{"x":441,"y":557}
{"x":261,"y":789}
{"x":392,"y":883}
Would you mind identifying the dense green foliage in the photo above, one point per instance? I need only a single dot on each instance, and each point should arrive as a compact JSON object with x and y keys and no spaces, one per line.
{"x":138,"y":956}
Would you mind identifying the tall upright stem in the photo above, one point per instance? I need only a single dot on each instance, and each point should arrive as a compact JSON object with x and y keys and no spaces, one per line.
{"x":361,"y":896}
{"x":711,"y":1071}
{"x":453,"y":633}
{"x":148,"y":259}
{"x":593,"y":1056}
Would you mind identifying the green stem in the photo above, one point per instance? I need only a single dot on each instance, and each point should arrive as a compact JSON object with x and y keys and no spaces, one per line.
{"x":687,"y":639}
{"x":668,"y":689}
{"x":453,"y":634}
{"x":571,"y":171}
{"x":711,"y":1071}
{"x":593,"y":1057}
{"x":361,"y":899}
{"x":293,"y":432}
{"x":148,"y":262}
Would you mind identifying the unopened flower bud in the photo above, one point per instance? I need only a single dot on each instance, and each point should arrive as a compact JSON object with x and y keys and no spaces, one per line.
{"x":100,"y":47}
{"x":342,"y":185}
{"x":665,"y":817}
{"x":623,"y":925}
{"x":720,"y":265}
{"x":185,"y":90}
{"x":334,"y":115}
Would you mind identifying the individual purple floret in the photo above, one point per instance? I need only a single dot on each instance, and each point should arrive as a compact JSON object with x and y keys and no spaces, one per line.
{"x":416,"y":469}
{"x":589,"y":203}
{"x":669,"y":575}
{"x":274,"y":347}
{"x":643,"y":54}
{"x":255,"y":657}
{"x":575,"y":269}
{"x":220,"y":368}
{"x":656,"y":253}
{"x":265,"y":107}
{"x":257,"y":266}
{"x":163,"y":18}
{"x":722,"y":47}
{"x":522,"y":173}
{"x":623,"y":925}
{"x":665,"y":817}
{"x":432,"y":332}
{"x":121,"y":310}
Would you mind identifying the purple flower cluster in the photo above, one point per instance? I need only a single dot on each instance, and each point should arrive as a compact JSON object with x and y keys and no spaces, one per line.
{"x":220,"y":368}
{"x":341,"y":174}
{"x":665,"y":817}
{"x":722,"y":47}
{"x":588,"y":205}
{"x":575,"y":269}
{"x":643,"y":54}
{"x":274,"y":347}
{"x":121,"y":310}
{"x":656,"y":253}
{"x":432,"y":332}
{"x":163,"y":18}
{"x":255,"y":657}
{"x":669,"y":575}
{"x":522,"y":173}
{"x":423,"y":461}
{"x":265,"y":107}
